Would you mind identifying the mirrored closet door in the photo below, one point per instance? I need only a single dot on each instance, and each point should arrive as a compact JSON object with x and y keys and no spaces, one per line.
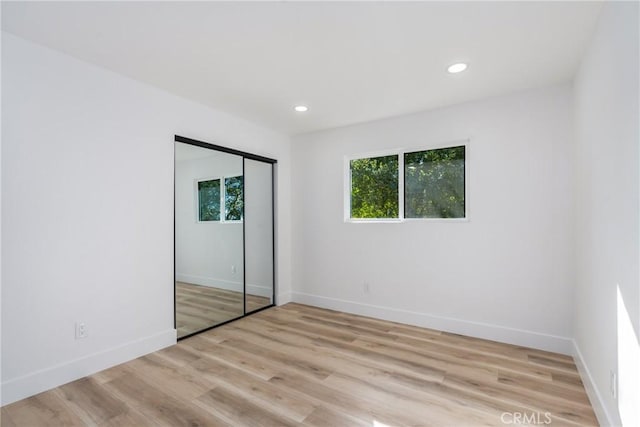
{"x":224,"y":235}
{"x":258,"y":235}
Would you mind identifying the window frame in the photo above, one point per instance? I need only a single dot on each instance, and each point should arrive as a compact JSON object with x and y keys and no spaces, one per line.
{"x":400,"y":152}
{"x":347,"y":187}
{"x":223,"y":192}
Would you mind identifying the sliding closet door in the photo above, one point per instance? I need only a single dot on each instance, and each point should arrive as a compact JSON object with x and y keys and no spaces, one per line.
{"x":208,"y":238}
{"x":258,"y":235}
{"x":224,"y":235}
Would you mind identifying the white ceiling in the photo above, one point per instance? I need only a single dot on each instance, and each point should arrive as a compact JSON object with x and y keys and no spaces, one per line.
{"x":349,"y":62}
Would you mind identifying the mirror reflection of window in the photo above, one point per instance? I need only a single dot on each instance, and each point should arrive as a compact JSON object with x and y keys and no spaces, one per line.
{"x":211,"y":196}
{"x":233,"y":198}
{"x":209,"y":200}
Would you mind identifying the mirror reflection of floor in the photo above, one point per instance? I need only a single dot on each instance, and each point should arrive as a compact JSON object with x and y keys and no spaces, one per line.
{"x":199,"y":307}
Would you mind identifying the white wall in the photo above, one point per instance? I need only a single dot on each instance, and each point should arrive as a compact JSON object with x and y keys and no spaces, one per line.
{"x":506,"y":274}
{"x":87,"y":213}
{"x":607,"y":214}
{"x":207,"y":253}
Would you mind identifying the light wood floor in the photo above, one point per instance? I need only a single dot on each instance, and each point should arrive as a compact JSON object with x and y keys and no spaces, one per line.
{"x":299,"y":365}
{"x":199,"y":307}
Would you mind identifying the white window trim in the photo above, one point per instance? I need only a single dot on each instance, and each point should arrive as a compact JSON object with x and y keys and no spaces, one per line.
{"x":400,"y":152}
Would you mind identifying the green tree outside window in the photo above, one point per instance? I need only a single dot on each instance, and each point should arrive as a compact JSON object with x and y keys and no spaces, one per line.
{"x":434,"y":183}
{"x":209,"y":200}
{"x":374,"y":187}
{"x":233,"y":198}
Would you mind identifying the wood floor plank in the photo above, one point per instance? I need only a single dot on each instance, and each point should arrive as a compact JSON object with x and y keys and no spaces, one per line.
{"x":323,"y":417}
{"x":406,"y":406}
{"x":319,"y":330}
{"x":179,"y":354}
{"x":200,"y":343}
{"x":91,"y":402}
{"x":345,"y":349}
{"x":566,"y":367}
{"x":224,"y":402}
{"x":503,"y":398}
{"x":131,"y":418}
{"x":553,"y":389}
{"x":346,"y":327}
{"x":160,"y":407}
{"x":342,"y":401}
{"x":282,"y":360}
{"x":301,"y":365}
{"x":249,"y":363}
{"x":45,"y":409}
{"x":383,"y":325}
{"x":341,"y":363}
{"x":254,"y":388}
{"x":5,"y":419}
{"x":572,"y":381}
{"x":110,"y":374}
{"x":458,"y":357}
{"x":165,"y":375}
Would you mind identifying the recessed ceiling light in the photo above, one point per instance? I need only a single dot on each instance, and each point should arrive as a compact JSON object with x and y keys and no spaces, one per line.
{"x":457,"y":68}
{"x":301,"y":108}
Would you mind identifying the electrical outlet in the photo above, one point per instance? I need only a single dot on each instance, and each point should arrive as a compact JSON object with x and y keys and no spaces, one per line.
{"x":366,"y":288}
{"x":613,"y":384}
{"x":233,"y":269}
{"x":81,"y":330}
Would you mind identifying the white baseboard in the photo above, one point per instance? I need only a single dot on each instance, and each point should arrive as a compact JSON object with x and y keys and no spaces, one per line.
{"x":45,"y":379}
{"x":211,"y":282}
{"x":519,"y":337}
{"x":283,"y":298}
{"x":259,"y":290}
{"x":604,"y":418}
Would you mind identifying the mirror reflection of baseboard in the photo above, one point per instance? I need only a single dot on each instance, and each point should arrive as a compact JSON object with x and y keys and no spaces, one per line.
{"x":224,"y":241}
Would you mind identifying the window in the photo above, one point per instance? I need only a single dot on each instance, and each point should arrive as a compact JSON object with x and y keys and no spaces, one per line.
{"x":408,"y":185}
{"x":211,"y":197}
{"x":209,"y":200}
{"x":233,"y":198}
{"x":434,"y":183}
{"x":374,"y":187}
